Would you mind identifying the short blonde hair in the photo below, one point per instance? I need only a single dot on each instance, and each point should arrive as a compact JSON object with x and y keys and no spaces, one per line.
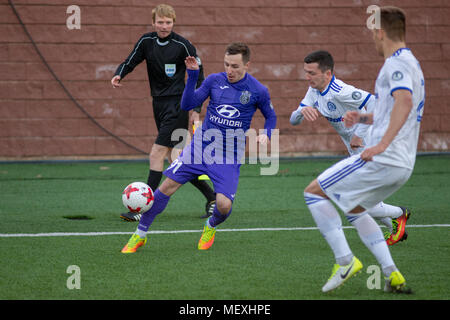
{"x":163,"y":10}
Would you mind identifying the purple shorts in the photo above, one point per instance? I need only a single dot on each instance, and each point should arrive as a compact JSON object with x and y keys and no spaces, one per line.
{"x":225,"y":177}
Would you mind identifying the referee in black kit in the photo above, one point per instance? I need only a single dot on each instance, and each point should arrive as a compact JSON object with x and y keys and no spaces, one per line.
{"x":165,"y":52}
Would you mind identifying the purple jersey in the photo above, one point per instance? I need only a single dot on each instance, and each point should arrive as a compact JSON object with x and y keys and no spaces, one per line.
{"x":229,"y":113}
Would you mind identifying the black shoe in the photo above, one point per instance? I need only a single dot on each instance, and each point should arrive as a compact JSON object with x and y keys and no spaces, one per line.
{"x":131,"y":216}
{"x":209,"y":209}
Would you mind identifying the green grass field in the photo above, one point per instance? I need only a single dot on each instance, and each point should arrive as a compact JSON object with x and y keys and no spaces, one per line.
{"x":242,"y":264}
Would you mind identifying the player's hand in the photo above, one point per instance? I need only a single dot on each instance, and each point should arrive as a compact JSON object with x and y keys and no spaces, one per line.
{"x":115,"y":81}
{"x":262,"y":139}
{"x":310,"y":113}
{"x":351,"y":118}
{"x":191,"y":63}
{"x":369,"y":153}
{"x":194,"y":119}
{"x":356,"y":142}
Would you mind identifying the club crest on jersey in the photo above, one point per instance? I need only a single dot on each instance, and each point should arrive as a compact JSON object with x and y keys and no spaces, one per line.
{"x":170,"y":69}
{"x":397,"y":76}
{"x":245,"y":97}
{"x":331,"y":106}
{"x":356,"y":95}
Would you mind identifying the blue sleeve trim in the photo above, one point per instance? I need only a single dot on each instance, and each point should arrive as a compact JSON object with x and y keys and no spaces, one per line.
{"x":401,"y":88}
{"x":365,"y":101}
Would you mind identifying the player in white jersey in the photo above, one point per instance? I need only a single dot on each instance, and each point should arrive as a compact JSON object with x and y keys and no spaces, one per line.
{"x":332,"y":98}
{"x":359,"y":182}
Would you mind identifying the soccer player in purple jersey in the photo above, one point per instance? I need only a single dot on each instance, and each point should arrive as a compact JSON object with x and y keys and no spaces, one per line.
{"x":217,"y":148}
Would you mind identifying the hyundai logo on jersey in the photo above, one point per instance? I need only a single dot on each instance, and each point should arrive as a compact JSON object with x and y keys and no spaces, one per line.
{"x":228,"y":111}
{"x":170,"y":69}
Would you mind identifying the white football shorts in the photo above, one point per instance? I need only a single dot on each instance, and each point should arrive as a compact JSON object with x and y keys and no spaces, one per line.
{"x":353,"y":182}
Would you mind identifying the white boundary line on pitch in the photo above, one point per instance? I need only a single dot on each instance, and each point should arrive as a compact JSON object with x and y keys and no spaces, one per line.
{"x":72,"y":234}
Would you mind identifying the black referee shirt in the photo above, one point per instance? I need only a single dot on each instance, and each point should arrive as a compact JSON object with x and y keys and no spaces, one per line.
{"x":165,"y":62}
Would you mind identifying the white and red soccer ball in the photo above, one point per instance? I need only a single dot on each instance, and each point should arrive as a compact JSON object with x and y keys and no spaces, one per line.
{"x":137,"y":197}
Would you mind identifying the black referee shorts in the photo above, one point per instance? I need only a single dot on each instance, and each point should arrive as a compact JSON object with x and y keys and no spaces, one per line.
{"x":168,"y":117}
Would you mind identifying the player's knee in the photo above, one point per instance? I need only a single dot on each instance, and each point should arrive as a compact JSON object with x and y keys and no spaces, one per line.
{"x":223,"y":206}
{"x":169,"y":186}
{"x":158,"y":153}
{"x":355,"y":214}
{"x":314,"y":188}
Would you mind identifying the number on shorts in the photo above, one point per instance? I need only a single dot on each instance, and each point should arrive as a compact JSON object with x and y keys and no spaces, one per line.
{"x":175,"y":165}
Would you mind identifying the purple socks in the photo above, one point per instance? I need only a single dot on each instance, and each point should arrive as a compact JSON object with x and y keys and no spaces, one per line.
{"x":217,"y":218}
{"x":159,"y":204}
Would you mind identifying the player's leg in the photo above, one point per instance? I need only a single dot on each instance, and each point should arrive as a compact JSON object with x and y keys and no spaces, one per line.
{"x":161,"y":199}
{"x":157,"y":154}
{"x":394,"y":218}
{"x":166,"y":112}
{"x":221,"y":212}
{"x":225,"y":179}
{"x":330,"y":226}
{"x":175,"y":129}
{"x":178,"y":173}
{"x":156,"y":158}
{"x":372,"y":236}
{"x":355,"y":185}
{"x":398,"y":232}
{"x":201,"y":185}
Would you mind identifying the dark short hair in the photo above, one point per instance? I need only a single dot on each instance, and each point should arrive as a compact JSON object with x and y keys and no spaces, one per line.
{"x":323,"y":58}
{"x":239,"y":47}
{"x":393,"y":22}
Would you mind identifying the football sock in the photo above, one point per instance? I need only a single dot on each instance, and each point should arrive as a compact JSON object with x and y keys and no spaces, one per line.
{"x":159,"y":204}
{"x":330,"y":226}
{"x":387,"y":222}
{"x":217,"y":218}
{"x":382,"y":210}
{"x":371,"y":235}
{"x":385,"y":213}
{"x":204,"y":188}
{"x":154,"y":178}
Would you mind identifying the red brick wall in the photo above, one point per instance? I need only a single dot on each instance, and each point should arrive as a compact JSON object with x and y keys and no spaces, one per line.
{"x":37,"y":119}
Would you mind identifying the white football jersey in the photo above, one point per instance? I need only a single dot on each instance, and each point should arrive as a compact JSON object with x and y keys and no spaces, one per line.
{"x":334,"y":102}
{"x":400,"y":71}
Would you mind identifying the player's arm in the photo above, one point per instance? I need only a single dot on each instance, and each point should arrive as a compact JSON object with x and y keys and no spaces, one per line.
{"x":305,"y":110}
{"x":357,"y":140}
{"x":136,"y":56}
{"x":270,"y":117}
{"x":192,"y":97}
{"x":402,"y":107}
{"x":296,"y":116}
{"x":195,"y":115}
{"x":354,"y":117}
